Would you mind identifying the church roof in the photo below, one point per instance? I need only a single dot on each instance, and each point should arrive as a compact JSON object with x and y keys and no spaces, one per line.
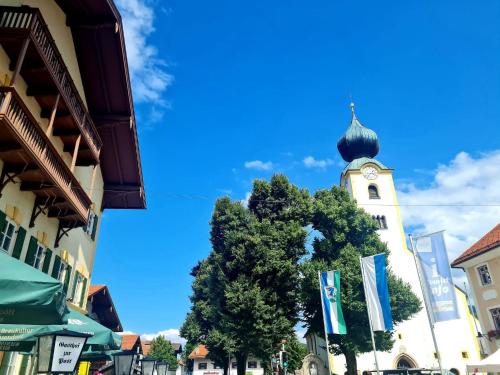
{"x":358,"y":141}
{"x":356,"y":164}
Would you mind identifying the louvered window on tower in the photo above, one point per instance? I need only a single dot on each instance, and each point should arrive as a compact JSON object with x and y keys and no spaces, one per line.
{"x":373,"y":192}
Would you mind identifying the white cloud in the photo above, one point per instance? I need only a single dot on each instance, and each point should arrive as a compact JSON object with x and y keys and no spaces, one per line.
{"x":245,"y":201}
{"x":311,"y":162}
{"x":259,"y":165}
{"x":171,"y":334}
{"x":463,"y":199}
{"x":148,"y":72}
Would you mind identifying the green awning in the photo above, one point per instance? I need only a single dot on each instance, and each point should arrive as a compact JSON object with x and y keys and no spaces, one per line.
{"x":29,"y":296}
{"x":22,"y":338}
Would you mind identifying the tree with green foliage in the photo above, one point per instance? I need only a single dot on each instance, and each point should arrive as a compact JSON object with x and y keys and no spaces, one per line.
{"x":162,"y":350}
{"x":296,"y":353}
{"x":245,"y":294}
{"x":348,"y":232}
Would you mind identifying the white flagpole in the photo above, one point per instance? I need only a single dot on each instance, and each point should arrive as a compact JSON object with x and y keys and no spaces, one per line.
{"x":369,"y":317}
{"x":324,"y":324}
{"x":427,"y":304}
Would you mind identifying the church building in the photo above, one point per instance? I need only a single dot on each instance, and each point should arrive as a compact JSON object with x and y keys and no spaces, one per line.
{"x":371,"y":184}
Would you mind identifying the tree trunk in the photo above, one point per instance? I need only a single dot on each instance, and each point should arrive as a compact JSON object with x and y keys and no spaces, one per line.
{"x":227,"y":367}
{"x":241,"y":363}
{"x":351,"y":363}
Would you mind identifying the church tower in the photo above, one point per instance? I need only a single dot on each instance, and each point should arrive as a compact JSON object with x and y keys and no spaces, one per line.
{"x":371,"y":184}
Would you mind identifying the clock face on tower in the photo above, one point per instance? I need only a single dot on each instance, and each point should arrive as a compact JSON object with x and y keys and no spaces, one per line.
{"x":370,"y":173}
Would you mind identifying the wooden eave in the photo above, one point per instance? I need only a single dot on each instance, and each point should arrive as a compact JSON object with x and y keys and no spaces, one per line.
{"x":104,"y":308}
{"x":99,"y":42}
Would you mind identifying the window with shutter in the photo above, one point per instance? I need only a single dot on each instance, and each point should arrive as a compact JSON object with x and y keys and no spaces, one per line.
{"x":3,"y":220}
{"x":46,"y":261}
{"x":94,"y":227}
{"x":56,"y":268}
{"x":82,"y":293}
{"x":373,"y":192}
{"x":18,"y":246}
{"x":7,"y":235}
{"x":75,"y":286}
{"x":67,"y":279}
{"x":32,"y":248}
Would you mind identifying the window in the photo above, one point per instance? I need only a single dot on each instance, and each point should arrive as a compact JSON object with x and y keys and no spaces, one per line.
{"x":252,"y":364}
{"x":202,"y":366}
{"x":233,"y":364}
{"x":465,"y":355}
{"x":381,"y":221}
{"x":7,"y":235}
{"x":78,"y":288}
{"x":484,"y":274}
{"x":59,"y":271}
{"x":495,"y":315}
{"x":38,"y":259}
{"x":373,"y":192}
{"x":91,"y":226}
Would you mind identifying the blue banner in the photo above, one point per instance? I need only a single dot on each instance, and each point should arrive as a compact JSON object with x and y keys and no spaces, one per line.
{"x":435,"y":266}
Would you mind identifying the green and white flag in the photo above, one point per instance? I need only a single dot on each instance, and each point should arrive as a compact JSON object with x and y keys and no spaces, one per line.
{"x":329,"y":284}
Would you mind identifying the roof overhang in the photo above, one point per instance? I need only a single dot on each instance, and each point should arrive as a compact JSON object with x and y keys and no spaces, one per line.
{"x":482,"y":256}
{"x":97,"y":31}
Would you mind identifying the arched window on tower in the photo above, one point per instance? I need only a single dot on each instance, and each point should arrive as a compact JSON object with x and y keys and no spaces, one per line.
{"x":373,"y":192}
{"x":381,"y":221}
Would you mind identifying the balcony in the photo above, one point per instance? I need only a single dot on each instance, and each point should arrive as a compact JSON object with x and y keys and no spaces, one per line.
{"x":29,"y":155}
{"x":34,"y":55}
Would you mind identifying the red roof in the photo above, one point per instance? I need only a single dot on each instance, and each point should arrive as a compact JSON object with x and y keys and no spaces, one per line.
{"x":129,"y":341}
{"x":199,"y":352}
{"x":489,"y":241}
{"x":93,"y":289}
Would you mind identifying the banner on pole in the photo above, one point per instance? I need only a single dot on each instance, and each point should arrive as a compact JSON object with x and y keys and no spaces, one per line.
{"x":377,"y":292}
{"x":433,"y":259}
{"x":330,"y":298}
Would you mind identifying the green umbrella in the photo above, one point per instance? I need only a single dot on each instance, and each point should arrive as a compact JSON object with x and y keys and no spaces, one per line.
{"x":29,"y":296}
{"x":22,"y":337}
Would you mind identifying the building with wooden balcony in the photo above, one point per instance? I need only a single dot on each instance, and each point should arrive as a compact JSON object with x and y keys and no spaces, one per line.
{"x":68,"y":139}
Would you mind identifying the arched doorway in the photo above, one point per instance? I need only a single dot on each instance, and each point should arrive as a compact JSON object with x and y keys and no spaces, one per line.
{"x":405,"y":361}
{"x":454,"y":371}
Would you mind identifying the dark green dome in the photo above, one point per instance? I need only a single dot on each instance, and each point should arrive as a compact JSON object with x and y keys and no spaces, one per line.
{"x":357,"y":141}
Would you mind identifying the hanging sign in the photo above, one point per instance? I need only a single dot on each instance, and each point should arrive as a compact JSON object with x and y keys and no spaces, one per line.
{"x":67,"y":351}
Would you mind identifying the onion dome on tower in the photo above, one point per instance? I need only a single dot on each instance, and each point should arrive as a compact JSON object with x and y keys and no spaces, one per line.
{"x":358,"y":141}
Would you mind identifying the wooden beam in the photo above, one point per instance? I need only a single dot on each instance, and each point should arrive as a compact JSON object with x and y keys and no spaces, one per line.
{"x":20,"y":60}
{"x":75,"y":153}
{"x":53,"y":116}
{"x":66,"y":132}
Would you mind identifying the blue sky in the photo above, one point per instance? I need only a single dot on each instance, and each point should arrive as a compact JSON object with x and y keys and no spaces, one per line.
{"x":230,"y":91}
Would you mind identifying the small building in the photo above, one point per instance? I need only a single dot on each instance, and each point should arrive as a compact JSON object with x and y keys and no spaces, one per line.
{"x":202,"y":365}
{"x":101,"y":308}
{"x":481,"y":263}
{"x":131,"y":342}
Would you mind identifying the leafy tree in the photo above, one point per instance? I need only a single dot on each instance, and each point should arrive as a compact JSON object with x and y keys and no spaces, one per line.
{"x":162,"y":350}
{"x":296,"y":353}
{"x":188,"y":348}
{"x":347,"y":233}
{"x":245,"y":294}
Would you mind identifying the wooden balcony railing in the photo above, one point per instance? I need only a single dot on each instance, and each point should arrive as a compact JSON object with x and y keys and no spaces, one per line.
{"x":28,"y":133}
{"x":26,"y":21}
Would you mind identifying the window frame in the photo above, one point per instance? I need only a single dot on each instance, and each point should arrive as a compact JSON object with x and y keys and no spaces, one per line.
{"x":252,"y":367}
{"x":481,"y":284}
{"x":3,"y":235}
{"x":61,"y":273}
{"x":495,"y":319}
{"x":200,"y":367}
{"x":39,"y":256}
{"x":374,"y":186}
{"x":77,"y":295}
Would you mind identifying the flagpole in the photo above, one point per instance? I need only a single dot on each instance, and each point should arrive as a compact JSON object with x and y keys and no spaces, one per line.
{"x":369,"y":317}
{"x":427,"y":307}
{"x":324,"y":324}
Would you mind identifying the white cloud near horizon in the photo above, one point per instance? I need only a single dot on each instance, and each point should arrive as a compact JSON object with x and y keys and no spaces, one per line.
{"x":311,"y":162}
{"x":171,"y":334}
{"x":259,"y":165}
{"x":148,"y":71}
{"x":463,"y":199}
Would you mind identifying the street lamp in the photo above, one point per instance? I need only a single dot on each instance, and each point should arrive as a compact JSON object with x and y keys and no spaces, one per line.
{"x":148,"y":365}
{"x":123,"y":362}
{"x":59,"y":352}
{"x":161,"y":368}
